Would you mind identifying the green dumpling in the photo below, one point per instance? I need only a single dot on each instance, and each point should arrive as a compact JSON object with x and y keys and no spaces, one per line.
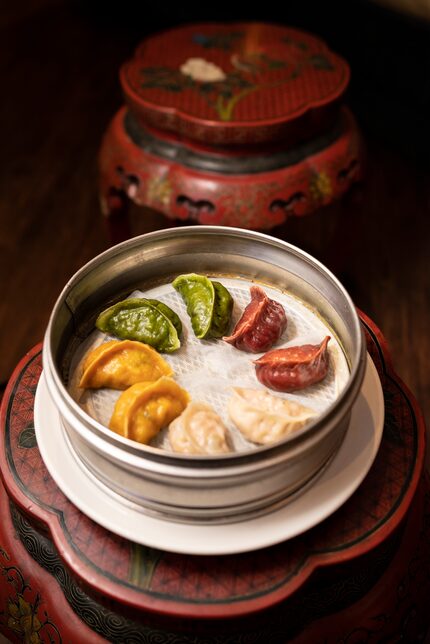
{"x":169,"y":313}
{"x":209,"y":304}
{"x":148,"y":321}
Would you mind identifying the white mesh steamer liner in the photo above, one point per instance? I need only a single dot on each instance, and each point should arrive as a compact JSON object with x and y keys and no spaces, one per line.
{"x":209,"y":369}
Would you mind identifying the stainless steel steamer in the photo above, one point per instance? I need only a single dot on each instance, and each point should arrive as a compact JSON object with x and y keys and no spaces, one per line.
{"x":201,"y":489}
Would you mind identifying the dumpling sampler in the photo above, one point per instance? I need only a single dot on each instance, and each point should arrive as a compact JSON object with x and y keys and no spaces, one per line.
{"x":263,"y":418}
{"x":198,"y":430}
{"x":143,"y":409}
{"x":119,"y":365}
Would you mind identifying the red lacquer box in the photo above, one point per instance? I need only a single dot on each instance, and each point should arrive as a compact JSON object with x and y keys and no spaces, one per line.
{"x":237,"y":124}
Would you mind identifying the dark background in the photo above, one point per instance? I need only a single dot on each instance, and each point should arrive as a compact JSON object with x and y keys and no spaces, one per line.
{"x":59,"y":62}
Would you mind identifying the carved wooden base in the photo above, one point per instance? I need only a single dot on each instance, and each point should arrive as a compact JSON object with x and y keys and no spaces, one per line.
{"x":256,"y":191}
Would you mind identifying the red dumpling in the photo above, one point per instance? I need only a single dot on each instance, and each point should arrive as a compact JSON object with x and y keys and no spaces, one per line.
{"x":294,"y":367}
{"x":261,"y":325}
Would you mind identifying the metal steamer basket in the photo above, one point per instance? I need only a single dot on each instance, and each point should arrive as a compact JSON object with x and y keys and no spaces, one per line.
{"x":201,"y":489}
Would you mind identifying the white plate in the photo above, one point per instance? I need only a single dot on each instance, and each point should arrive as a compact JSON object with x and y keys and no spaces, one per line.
{"x":335,"y":485}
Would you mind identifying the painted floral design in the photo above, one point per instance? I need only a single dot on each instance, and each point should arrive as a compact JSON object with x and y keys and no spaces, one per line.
{"x":317,"y":60}
{"x":159,"y":190}
{"x":320,"y":186}
{"x":23,"y":620}
{"x":23,"y":617}
{"x":144,"y":561}
{"x":223,"y":40}
{"x":202,"y":70}
{"x":223,"y":89}
{"x":220,"y":89}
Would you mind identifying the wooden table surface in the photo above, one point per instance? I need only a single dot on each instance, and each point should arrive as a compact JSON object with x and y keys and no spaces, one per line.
{"x":59,"y":63}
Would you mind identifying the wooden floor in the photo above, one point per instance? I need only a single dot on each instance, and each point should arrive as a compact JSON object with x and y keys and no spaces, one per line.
{"x":59,"y":65}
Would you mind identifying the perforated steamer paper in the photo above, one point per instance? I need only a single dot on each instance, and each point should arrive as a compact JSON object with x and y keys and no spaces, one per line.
{"x":209,"y":369}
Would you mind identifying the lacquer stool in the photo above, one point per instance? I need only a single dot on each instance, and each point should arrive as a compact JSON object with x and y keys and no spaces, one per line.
{"x":237,"y":125}
{"x":362,"y":575}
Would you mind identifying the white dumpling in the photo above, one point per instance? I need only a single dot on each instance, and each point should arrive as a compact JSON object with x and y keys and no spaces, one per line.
{"x":198,"y":430}
{"x":263,"y":418}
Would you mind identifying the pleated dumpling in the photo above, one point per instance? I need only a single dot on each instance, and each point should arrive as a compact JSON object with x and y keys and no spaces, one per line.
{"x":294,"y":368}
{"x":198,"y":430}
{"x":119,"y":365}
{"x":261,"y":325}
{"x":263,"y":418}
{"x":143,"y":409}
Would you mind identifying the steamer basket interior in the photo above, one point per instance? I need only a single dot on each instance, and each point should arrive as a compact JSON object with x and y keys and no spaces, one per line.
{"x":206,"y":488}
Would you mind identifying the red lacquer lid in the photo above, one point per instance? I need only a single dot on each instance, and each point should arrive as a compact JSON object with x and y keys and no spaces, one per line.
{"x":232,"y":83}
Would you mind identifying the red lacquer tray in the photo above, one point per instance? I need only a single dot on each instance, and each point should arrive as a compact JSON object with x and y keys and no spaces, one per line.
{"x":119,"y":588}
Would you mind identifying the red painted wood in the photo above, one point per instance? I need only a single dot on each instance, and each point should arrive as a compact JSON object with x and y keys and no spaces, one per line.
{"x":396,"y":608}
{"x":34,"y":608}
{"x":199,"y":588}
{"x":252,"y":81}
{"x":253,"y":200}
{"x":225,"y":91}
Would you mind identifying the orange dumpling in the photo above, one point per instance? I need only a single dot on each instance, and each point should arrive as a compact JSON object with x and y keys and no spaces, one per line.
{"x":119,"y":365}
{"x":143,"y":409}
